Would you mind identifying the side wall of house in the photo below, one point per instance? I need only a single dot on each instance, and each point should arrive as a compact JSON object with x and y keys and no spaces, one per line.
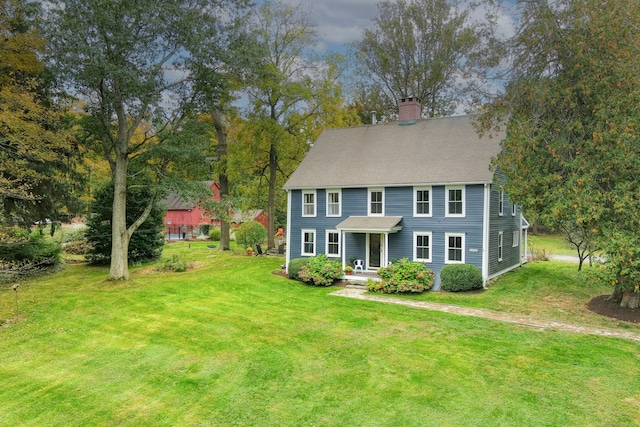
{"x":509,"y":226}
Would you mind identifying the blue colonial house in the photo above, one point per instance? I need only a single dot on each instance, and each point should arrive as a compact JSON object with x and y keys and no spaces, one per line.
{"x":420,"y":189}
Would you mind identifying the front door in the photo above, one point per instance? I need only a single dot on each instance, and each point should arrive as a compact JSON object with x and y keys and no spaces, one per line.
{"x":375,"y":251}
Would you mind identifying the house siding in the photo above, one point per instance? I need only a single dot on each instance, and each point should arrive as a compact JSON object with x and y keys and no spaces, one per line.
{"x":398,"y":202}
{"x":507,"y":224}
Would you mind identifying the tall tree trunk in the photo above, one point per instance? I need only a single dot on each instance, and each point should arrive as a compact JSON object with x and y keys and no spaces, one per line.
{"x":223,"y":179}
{"x":119,"y":268}
{"x":630,"y":299}
{"x":273,"y":163}
{"x":616,"y":296}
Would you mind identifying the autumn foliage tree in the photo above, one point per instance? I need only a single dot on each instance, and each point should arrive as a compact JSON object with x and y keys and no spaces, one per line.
{"x":572,"y":151}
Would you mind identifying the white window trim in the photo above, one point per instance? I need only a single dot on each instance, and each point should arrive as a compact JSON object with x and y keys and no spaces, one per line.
{"x":464,"y":204}
{"x":501,"y":203}
{"x":339,"y":191}
{"x":513,"y":209}
{"x":326,"y":243}
{"x":315,"y":203}
{"x":415,"y":252}
{"x":500,"y":246}
{"x":372,"y":190}
{"x":415,"y":202}
{"x":516,"y":239}
{"x":315,"y":241}
{"x":446,"y":248}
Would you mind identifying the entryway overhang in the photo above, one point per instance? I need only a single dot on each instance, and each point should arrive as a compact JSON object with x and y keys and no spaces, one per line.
{"x":370,"y":224}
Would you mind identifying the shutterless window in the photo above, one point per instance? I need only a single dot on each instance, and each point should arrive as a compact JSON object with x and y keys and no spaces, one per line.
{"x":333,"y":203}
{"x":501,"y":203}
{"x":375,"y":202}
{"x":333,"y":243}
{"x":422,"y":202}
{"x":308,"y":242}
{"x":516,"y":239}
{"x":422,"y":246}
{"x":455,"y":248}
{"x":455,"y":201}
{"x":500,"y":242}
{"x":309,"y":203}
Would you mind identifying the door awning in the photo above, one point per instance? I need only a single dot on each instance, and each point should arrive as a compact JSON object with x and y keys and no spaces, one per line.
{"x":374,"y":224}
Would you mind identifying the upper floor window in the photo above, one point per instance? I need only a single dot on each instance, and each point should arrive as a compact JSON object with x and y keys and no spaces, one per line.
{"x":455,"y":201}
{"x":455,"y":248}
{"x":308,"y":242}
{"x":422,"y":246}
{"x":376,"y":201}
{"x":309,"y":203}
{"x":333,"y":243}
{"x":422,"y":201}
{"x":513,"y":209}
{"x":501,"y":203}
{"x":334,"y":205}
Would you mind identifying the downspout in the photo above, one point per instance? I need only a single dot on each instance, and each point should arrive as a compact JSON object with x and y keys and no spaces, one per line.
{"x":288,"y":232}
{"x":485,"y":234}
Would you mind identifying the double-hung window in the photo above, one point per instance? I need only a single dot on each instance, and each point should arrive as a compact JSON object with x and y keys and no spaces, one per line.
{"x":376,"y":202}
{"x":516,"y":239}
{"x":455,"y":201}
{"x":309,"y":203}
{"x":334,"y":199}
{"x":308,"y":242}
{"x":500,"y":245}
{"x":422,"y":246}
{"x":422,"y":201}
{"x":333,"y":243}
{"x":455,"y":248}
{"x":501,"y":203}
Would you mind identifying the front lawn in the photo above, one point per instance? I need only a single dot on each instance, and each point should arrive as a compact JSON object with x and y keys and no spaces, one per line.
{"x":229,"y":343}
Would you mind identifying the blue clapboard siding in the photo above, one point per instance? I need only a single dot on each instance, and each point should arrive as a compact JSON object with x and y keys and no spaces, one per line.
{"x":507,"y":224}
{"x":398,"y":202}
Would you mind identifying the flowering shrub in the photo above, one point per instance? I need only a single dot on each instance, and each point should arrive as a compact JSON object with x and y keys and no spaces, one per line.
{"x":320,"y":271}
{"x":403,"y":276}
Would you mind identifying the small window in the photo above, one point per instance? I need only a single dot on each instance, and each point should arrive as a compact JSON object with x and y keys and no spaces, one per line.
{"x":309,"y":242}
{"x":516,"y":239}
{"x":422,"y":201}
{"x":333,"y":243}
{"x":308,"y":203}
{"x":513,"y":209}
{"x":376,"y":202}
{"x":455,"y":201}
{"x":455,"y":248}
{"x":333,"y":203}
{"x":422,"y":246}
{"x":500,"y":242}
{"x":501,"y":203}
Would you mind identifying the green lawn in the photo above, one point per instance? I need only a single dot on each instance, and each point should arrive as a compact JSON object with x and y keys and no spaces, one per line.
{"x":229,"y":343}
{"x":551,"y":244}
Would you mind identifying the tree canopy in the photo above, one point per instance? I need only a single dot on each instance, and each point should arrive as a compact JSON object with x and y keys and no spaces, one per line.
{"x":571,"y":153}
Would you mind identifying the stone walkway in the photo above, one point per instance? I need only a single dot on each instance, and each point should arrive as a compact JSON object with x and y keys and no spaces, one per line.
{"x":518,"y":319}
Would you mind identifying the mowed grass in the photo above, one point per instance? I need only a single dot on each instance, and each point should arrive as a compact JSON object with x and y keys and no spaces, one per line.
{"x":229,"y":343}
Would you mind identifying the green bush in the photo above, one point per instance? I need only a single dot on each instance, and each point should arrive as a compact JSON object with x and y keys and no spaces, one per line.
{"x":214,"y":234}
{"x":250,"y":233}
{"x":403,"y":276}
{"x":77,"y":247}
{"x":460,"y":277}
{"x":320,"y":271}
{"x":26,"y":254}
{"x":295,"y":265}
{"x":174,"y":264}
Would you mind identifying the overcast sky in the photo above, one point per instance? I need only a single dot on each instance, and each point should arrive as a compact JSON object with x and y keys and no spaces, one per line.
{"x":340,"y":22}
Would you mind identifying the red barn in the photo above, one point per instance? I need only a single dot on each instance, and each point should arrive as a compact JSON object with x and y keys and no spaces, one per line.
{"x":186,"y":216}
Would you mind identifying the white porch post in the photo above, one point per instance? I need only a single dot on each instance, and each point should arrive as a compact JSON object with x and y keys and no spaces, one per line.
{"x":485,"y":233}
{"x":344,"y":248}
{"x":385,"y":257}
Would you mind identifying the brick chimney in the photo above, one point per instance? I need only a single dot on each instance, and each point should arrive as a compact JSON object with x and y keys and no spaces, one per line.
{"x":409,"y":109}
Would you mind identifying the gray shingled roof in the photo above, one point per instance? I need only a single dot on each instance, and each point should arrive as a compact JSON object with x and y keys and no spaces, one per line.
{"x":434,"y":151}
{"x":370,"y":223}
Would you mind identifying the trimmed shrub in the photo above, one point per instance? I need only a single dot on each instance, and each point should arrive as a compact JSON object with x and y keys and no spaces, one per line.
{"x":460,"y":277}
{"x":320,"y":271}
{"x":214,"y":234}
{"x":295,"y":265}
{"x":250,"y":233}
{"x":402,"y":277}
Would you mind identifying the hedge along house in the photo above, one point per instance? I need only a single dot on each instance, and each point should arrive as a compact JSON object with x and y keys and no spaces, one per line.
{"x":415,"y":188}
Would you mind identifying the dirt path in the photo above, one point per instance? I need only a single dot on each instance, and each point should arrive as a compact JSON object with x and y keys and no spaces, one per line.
{"x":518,"y":319}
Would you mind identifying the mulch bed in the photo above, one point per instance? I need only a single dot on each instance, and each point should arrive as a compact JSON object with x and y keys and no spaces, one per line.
{"x":602,"y":306}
